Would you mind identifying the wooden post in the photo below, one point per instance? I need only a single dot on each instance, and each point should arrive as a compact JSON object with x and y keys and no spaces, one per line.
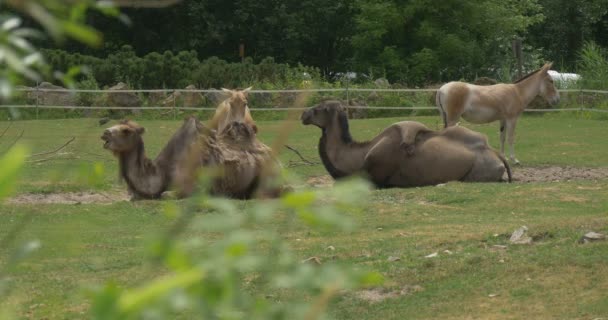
{"x":37,"y":96}
{"x":174,"y":107}
{"x":242,"y":50}
{"x":519,"y":57}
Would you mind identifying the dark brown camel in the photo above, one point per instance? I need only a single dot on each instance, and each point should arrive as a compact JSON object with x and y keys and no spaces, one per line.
{"x":406,"y":154}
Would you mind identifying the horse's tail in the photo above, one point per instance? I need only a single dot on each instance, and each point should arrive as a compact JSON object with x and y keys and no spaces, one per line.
{"x":440,"y":107}
{"x":507,"y":166}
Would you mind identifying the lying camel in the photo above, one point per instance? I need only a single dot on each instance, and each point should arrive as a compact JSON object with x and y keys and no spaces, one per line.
{"x":406,"y":154}
{"x":234,"y":108}
{"x":236,"y":152}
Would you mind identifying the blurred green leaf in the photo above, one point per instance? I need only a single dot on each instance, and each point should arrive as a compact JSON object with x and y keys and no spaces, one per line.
{"x":82,"y":33}
{"x":132,"y":300}
{"x":10,"y":166}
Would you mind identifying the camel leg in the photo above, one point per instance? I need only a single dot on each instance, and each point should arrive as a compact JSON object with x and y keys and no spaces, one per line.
{"x":502,"y":136}
{"x":452,"y":119}
{"x":510,"y":128}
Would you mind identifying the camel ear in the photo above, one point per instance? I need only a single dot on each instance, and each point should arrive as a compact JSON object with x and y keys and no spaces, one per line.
{"x":140,"y":130}
{"x":547,"y":66}
{"x":247,"y":89}
{"x":226,"y":90}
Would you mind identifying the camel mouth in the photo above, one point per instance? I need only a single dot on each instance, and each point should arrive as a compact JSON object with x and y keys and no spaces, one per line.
{"x":106,"y":141}
{"x":306,"y":119}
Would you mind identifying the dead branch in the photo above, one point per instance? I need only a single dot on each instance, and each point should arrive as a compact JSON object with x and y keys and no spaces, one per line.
{"x":6,"y":129}
{"x":293,"y":164}
{"x":52,"y":157}
{"x":14,"y":142}
{"x":54,"y":151}
{"x":300,"y":155}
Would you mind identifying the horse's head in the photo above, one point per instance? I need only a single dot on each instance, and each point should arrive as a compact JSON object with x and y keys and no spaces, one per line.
{"x":238,"y":100}
{"x":547,"y":87}
{"x":322,"y":114}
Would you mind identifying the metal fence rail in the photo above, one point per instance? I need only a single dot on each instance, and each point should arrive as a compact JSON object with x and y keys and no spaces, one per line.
{"x":176,"y":108}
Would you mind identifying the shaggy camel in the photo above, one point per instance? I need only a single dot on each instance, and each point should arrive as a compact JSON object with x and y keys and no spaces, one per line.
{"x":235,"y":152}
{"x":406,"y":154}
{"x":234,"y":108}
{"x":503,"y":102}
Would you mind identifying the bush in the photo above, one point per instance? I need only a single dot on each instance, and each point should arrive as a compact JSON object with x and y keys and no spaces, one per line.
{"x":178,"y":70}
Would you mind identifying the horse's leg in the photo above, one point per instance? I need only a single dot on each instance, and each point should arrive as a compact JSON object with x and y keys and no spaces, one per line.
{"x":511,"y":138}
{"x":502,"y":136}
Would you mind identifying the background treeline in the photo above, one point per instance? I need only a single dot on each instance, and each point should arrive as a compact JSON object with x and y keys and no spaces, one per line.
{"x":413,"y":42}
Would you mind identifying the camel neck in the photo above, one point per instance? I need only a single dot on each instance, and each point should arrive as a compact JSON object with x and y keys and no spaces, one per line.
{"x":340,"y":154}
{"x":141,"y":174}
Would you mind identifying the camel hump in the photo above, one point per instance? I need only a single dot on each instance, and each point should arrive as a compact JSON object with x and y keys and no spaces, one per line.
{"x":409,"y":130}
{"x":467,"y":136}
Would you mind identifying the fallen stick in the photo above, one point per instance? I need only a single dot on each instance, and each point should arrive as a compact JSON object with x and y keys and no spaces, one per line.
{"x":12,"y":144}
{"x":6,"y":129}
{"x":300,"y":155}
{"x":54,"y":151}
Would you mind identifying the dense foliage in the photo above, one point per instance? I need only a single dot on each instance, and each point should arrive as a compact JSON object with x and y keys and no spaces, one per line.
{"x":178,"y":70}
{"x":414,"y":42}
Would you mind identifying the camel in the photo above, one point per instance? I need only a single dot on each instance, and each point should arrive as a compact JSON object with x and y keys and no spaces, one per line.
{"x":406,"y":154}
{"x":503,"y":102}
{"x":236,"y":153}
{"x":234,"y":108}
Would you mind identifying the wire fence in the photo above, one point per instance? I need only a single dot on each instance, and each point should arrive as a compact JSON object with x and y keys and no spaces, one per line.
{"x":583,"y":100}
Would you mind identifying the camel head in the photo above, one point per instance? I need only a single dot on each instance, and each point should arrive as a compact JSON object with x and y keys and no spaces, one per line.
{"x":237,"y":100}
{"x":123,"y":137}
{"x":547,"y":87}
{"x":323,"y":114}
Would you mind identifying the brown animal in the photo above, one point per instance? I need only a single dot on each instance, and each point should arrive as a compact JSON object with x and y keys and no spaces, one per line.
{"x":388,"y":159}
{"x":502,"y":102}
{"x":236,"y":153}
{"x":234,"y":109}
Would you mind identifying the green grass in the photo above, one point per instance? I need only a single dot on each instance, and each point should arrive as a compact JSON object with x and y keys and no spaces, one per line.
{"x":555,"y":278}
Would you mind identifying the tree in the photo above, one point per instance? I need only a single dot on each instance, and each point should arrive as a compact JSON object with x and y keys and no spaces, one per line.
{"x":567,"y":26}
{"x":438,"y":40}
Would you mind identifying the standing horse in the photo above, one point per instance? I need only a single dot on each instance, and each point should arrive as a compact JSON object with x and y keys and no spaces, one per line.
{"x":504,"y":102}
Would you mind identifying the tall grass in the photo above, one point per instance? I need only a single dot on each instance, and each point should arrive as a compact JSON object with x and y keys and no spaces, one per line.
{"x":593,"y":66}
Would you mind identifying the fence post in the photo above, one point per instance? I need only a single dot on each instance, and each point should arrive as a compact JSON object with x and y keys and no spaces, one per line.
{"x":174,"y":107}
{"x":37,"y":97}
{"x":347,"y":93}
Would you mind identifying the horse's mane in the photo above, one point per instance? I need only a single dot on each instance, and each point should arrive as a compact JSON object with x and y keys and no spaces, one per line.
{"x":528,"y":75}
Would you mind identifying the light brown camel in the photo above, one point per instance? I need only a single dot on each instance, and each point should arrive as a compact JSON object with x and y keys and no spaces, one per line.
{"x":406,"y":154}
{"x":234,"y":108}
{"x":502,"y":102}
{"x":236,"y":152}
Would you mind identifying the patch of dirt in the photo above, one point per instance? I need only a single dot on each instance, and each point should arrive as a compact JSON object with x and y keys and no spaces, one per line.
{"x":68,"y":198}
{"x":320,"y":181}
{"x":555,"y":173}
{"x":520,"y":174}
{"x":379,"y":294}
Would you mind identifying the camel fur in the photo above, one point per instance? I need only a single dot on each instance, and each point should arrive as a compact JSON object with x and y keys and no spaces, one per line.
{"x":235,"y":156}
{"x":428,"y":158}
{"x":234,"y":109}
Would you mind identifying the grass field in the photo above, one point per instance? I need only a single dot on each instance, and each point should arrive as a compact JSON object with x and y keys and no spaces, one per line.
{"x":554,"y":278}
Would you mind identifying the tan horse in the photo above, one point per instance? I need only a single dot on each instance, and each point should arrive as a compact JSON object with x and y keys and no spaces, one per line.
{"x":234,"y":109}
{"x":503,"y":102}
